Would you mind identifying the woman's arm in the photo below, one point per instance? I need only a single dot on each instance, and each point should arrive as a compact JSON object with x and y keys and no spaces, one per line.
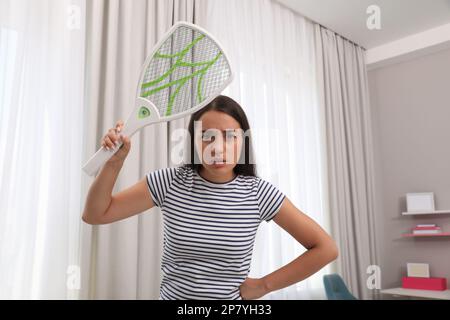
{"x":101,"y":206}
{"x":321,"y":251}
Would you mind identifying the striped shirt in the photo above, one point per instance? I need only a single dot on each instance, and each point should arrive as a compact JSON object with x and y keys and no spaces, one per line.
{"x":209,"y":230}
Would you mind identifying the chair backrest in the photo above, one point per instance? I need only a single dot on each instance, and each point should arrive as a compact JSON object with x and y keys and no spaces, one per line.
{"x":335,"y":288}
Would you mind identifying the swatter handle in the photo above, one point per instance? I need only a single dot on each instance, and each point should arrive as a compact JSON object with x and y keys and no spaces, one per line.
{"x":99,"y":159}
{"x":131,"y":126}
{"x":103,"y":155}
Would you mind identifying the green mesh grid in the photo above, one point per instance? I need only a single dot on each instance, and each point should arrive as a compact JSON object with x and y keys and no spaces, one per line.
{"x":184,"y":71}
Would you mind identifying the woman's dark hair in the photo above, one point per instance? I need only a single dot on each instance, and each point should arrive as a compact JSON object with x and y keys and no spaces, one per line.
{"x":226,"y":105}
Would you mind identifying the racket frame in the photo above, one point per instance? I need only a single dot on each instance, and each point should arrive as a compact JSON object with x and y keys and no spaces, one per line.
{"x":133,"y":123}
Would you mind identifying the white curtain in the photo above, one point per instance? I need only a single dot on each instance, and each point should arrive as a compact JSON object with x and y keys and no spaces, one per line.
{"x":52,"y":116}
{"x":41,"y":112}
{"x":122,"y":260}
{"x":343,"y":89}
{"x":273,"y":51}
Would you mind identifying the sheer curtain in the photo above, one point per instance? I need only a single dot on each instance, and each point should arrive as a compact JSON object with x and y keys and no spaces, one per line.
{"x":41,"y":109}
{"x":345,"y":96}
{"x":273,"y":51}
{"x":274,"y":54}
{"x":123,"y":260}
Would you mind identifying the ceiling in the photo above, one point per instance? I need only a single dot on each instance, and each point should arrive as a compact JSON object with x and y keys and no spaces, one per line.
{"x":399,"y":18}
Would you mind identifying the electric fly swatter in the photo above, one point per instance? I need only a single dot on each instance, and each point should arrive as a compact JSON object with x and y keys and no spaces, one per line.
{"x":186,"y":70}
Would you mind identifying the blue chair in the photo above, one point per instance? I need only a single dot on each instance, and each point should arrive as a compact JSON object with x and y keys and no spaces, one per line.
{"x":335,"y":288}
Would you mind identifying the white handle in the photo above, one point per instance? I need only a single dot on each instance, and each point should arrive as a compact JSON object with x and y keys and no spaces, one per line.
{"x":102,"y":155}
{"x":130,"y":127}
{"x":99,"y":159}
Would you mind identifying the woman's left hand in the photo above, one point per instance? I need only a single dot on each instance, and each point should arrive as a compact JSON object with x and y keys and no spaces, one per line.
{"x":252,"y":288}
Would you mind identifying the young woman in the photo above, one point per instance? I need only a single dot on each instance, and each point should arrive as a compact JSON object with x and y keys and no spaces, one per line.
{"x":211,"y":210}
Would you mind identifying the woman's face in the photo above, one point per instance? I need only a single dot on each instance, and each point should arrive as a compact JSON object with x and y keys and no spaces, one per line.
{"x":218,"y":139}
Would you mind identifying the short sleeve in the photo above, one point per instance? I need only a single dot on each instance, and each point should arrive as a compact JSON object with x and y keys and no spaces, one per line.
{"x":269,"y":200}
{"x":159,"y":182}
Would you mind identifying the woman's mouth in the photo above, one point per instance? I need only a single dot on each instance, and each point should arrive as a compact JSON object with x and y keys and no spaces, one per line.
{"x":218,"y":164}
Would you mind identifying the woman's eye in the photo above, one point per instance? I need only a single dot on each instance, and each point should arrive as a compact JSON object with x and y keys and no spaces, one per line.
{"x":232,"y":134}
{"x":227,"y":135}
{"x":207,"y":136}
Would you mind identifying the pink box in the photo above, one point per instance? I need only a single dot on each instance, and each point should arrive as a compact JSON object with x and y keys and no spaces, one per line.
{"x":438,"y":284}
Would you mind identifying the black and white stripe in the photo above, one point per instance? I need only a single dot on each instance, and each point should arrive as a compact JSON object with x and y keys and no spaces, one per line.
{"x":209,"y":230}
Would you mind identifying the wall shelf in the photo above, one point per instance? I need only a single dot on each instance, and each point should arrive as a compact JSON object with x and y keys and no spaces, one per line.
{"x":412,"y":235}
{"x":426,"y":212}
{"x":416,"y":293}
{"x":430,"y":294}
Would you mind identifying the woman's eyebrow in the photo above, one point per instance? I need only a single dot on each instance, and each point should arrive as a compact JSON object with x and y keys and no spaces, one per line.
{"x":231,"y":129}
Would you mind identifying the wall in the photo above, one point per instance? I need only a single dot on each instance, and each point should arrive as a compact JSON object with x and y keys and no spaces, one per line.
{"x":410,"y":104}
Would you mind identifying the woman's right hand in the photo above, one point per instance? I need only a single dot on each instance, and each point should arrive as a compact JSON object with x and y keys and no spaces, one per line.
{"x":113,"y":136}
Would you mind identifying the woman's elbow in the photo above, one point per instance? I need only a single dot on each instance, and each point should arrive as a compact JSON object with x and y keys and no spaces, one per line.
{"x":86,"y":219}
{"x":328,"y":250}
{"x":333,"y":251}
{"x":89,"y":220}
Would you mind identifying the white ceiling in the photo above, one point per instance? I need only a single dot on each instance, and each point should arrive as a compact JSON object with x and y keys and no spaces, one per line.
{"x":399,"y":18}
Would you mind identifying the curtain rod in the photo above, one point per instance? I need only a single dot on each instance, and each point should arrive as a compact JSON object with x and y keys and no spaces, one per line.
{"x":315,"y":22}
